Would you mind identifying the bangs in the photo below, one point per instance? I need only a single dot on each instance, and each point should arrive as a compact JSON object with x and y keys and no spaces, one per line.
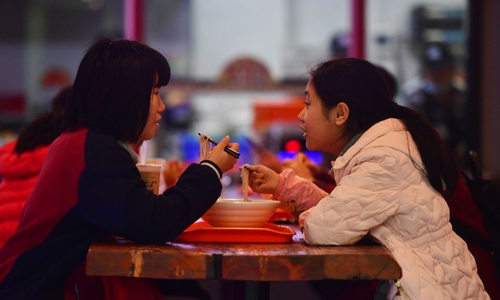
{"x":113,"y":88}
{"x":162,"y":69}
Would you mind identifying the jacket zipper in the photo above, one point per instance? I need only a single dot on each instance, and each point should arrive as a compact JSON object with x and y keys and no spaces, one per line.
{"x":402,"y":291}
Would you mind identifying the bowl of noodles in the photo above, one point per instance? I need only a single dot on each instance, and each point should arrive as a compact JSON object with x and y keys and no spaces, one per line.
{"x":241,"y":212}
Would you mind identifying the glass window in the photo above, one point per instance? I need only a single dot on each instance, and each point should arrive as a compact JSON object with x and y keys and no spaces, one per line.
{"x":424,"y":45}
{"x":41,"y":45}
{"x":235,"y":55}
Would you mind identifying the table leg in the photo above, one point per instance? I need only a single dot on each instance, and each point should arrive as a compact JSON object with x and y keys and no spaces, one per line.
{"x":257,"y":290}
{"x":248,"y":290}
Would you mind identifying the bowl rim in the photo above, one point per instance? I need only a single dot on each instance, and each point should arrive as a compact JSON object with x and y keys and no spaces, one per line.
{"x":254,"y":212}
{"x":259,"y":201}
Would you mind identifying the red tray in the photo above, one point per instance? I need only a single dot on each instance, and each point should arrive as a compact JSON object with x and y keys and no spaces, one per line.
{"x":281,"y":215}
{"x":268,"y":233}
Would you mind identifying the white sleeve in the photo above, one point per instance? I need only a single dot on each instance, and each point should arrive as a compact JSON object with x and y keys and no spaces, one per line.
{"x":363,"y":199}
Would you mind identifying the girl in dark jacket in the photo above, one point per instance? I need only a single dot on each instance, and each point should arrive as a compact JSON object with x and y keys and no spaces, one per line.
{"x":90,"y":187}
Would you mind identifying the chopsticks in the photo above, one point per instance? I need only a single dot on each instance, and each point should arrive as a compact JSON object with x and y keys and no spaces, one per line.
{"x":233,"y":153}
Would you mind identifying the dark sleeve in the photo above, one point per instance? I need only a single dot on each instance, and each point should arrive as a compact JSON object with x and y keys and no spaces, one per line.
{"x":113,"y":196}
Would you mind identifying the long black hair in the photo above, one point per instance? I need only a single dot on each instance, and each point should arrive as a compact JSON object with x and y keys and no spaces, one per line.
{"x":112,"y":88}
{"x":360,"y":85}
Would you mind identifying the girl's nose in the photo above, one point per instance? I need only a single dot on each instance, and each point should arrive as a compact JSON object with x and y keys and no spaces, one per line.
{"x":301,"y":115}
{"x":162,"y":106}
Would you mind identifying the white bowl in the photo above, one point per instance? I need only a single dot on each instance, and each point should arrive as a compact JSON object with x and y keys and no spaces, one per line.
{"x":238,"y":213}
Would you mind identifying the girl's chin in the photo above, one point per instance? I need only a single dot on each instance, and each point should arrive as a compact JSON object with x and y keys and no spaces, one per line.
{"x":310,"y":146}
{"x":147,"y":135}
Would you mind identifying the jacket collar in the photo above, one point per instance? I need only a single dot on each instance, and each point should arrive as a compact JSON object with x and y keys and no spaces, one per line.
{"x":379,"y":129}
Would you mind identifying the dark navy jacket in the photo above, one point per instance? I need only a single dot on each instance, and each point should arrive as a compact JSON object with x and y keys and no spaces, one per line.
{"x":89,"y":187}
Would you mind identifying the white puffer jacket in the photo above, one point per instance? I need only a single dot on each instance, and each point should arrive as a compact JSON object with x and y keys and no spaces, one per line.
{"x":381,"y":190}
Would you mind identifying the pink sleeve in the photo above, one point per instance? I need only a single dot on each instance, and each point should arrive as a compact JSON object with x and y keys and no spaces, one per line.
{"x":297,"y":194}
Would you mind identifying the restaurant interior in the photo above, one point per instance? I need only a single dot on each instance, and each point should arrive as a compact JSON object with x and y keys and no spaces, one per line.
{"x":239,"y":68}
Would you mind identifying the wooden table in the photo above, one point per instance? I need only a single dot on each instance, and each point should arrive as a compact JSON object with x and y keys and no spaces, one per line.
{"x":249,"y":265}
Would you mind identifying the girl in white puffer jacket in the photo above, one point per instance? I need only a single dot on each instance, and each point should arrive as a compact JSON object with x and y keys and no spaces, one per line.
{"x":394,"y":176}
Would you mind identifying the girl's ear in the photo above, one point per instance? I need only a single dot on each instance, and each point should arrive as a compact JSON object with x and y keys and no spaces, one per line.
{"x":341,"y":113}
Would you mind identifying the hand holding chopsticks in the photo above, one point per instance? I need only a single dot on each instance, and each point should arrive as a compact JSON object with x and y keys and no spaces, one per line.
{"x":262,"y":179}
{"x":232,"y":152}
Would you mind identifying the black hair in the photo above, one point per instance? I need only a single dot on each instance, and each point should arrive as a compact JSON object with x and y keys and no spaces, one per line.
{"x":390,"y":80}
{"x":360,"y":85}
{"x":112,"y":88}
{"x":45,"y":128}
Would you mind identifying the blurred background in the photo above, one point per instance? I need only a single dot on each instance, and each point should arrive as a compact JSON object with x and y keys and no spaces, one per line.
{"x":240,"y":67}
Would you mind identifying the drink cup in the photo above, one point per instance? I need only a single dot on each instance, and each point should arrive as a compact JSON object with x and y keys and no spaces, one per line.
{"x":151,"y":174}
{"x":159,"y":161}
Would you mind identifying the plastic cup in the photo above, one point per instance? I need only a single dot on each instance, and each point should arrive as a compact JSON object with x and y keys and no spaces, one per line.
{"x":159,"y":161}
{"x":151,"y":174}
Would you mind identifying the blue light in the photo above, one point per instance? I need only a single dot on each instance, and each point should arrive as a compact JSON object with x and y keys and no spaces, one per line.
{"x":314,"y":156}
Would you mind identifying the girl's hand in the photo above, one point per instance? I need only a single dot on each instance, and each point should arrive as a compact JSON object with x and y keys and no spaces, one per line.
{"x":221,"y":158}
{"x":262,"y":179}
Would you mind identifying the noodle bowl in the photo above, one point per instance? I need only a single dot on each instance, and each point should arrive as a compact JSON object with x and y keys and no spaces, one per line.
{"x":239,"y":213}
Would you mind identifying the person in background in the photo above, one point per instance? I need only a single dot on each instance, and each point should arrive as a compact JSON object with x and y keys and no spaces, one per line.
{"x":303,"y":167}
{"x":394,"y":175}
{"x":90,"y":188}
{"x":339,"y":45}
{"x":172,"y":171}
{"x":21,"y":161}
{"x":438,"y":96}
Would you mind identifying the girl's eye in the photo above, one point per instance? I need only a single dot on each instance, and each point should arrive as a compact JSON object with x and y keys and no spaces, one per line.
{"x":307,"y":104}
